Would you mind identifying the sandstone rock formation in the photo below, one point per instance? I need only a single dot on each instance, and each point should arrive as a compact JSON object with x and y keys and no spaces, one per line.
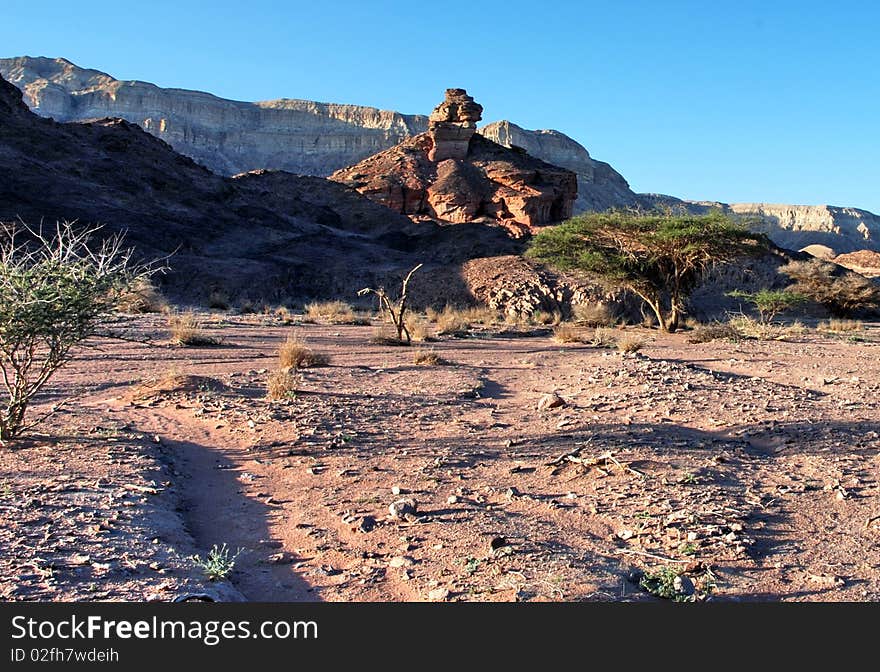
{"x":451,"y":126}
{"x":453,"y":175}
{"x":600,"y":187}
{"x":863,"y":262}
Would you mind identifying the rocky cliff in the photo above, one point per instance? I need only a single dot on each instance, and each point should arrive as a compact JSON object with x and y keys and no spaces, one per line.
{"x":453,"y":175}
{"x":265,"y":235}
{"x":229,"y":137}
{"x":600,"y":187}
{"x":794,"y":227}
{"x":298,"y":136}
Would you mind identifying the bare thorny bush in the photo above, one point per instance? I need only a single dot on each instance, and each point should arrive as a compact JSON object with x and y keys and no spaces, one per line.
{"x":58,"y":287}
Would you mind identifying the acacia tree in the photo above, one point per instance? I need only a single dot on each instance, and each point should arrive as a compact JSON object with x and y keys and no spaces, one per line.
{"x":57,"y":288}
{"x":661,"y":257}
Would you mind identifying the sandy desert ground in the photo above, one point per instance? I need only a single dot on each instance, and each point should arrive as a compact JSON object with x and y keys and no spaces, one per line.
{"x":751,"y":467}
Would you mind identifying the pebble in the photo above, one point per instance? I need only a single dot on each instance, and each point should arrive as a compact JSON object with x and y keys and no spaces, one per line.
{"x":684,"y":585}
{"x":403,"y":507}
{"x":548,"y":401}
{"x":438,"y":594}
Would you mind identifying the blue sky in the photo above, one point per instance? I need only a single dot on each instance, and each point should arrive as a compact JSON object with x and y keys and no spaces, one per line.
{"x":771,"y":101}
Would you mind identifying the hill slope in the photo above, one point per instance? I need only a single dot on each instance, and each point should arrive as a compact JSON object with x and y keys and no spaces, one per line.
{"x":267,"y":235}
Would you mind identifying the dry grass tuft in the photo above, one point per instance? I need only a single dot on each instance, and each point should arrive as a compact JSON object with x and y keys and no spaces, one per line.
{"x":295,"y":354}
{"x":593,"y":315}
{"x":428,"y":358}
{"x":603,"y":337}
{"x":142,"y":297}
{"x":281,"y":385}
{"x":714,"y":331}
{"x":187,"y":330}
{"x":334,"y":312}
{"x":838,"y":326}
{"x":567,"y":333}
{"x":630,"y":343}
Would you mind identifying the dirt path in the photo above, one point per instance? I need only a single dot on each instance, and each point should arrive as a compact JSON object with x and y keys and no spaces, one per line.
{"x":219,"y":507}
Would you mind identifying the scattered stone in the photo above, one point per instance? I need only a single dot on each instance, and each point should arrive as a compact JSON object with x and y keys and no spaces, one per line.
{"x":438,"y":594}
{"x":498,"y":542}
{"x":452,"y":499}
{"x":551,"y":400}
{"x":283,"y":558}
{"x":367,"y":524}
{"x":684,"y":585}
{"x":400,"y":561}
{"x":403,"y":508}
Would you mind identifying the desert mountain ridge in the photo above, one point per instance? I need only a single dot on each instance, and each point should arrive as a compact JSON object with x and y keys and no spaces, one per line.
{"x":312,"y":138}
{"x":268,"y":235}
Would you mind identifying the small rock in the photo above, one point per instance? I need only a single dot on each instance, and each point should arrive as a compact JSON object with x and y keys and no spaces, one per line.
{"x":452,"y":499}
{"x":438,"y":594}
{"x":635,"y":576}
{"x":548,"y":401}
{"x":498,"y":542}
{"x":282,"y":558}
{"x":367,"y":524}
{"x":625,"y":534}
{"x":403,"y":507}
{"x":400,"y":561}
{"x":396,"y":490}
{"x":683,"y":585}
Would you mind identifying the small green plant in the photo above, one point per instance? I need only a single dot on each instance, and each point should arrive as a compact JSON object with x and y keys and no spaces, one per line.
{"x":770,"y":302}
{"x":687,"y":548}
{"x":662,"y":583}
{"x":471,"y":565}
{"x":218,"y":564}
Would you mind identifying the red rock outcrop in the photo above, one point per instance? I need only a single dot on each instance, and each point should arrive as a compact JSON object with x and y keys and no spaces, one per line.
{"x":451,"y":174}
{"x":452,"y":124}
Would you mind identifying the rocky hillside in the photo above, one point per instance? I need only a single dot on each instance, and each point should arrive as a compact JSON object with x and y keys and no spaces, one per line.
{"x":794,"y":227}
{"x":452,"y":174}
{"x":298,"y":136}
{"x":264,"y":235}
{"x":600,"y":187}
